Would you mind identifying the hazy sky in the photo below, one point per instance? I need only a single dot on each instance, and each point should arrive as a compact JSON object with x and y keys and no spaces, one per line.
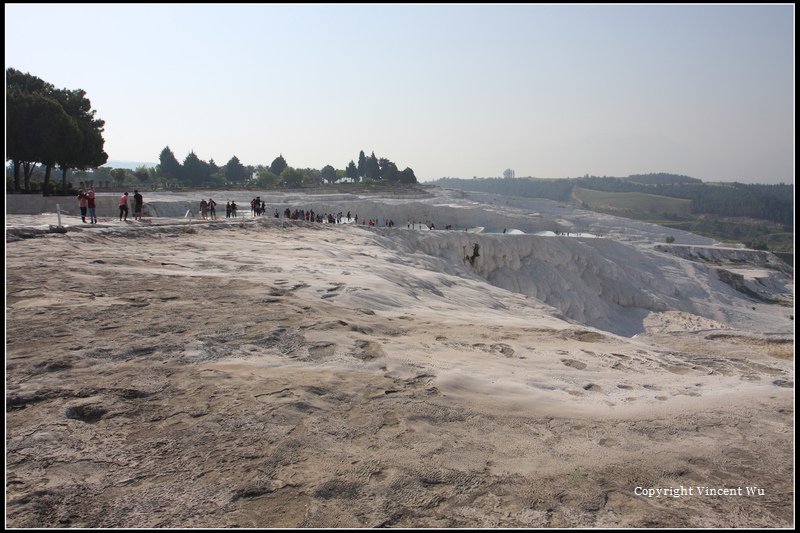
{"x":449,"y":90}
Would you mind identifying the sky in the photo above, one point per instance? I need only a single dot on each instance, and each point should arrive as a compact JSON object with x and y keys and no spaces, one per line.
{"x":549,"y":91}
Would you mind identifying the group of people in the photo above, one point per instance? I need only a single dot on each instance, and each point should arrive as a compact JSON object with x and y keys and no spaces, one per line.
{"x":138,"y":202}
{"x":208,"y":209}
{"x":86,"y":202}
{"x":258,"y":207}
{"x":310,"y":216}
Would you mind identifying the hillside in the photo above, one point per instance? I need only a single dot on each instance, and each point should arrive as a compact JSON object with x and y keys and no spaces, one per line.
{"x":636,"y":203}
{"x":760,"y":216}
{"x":262,"y":372}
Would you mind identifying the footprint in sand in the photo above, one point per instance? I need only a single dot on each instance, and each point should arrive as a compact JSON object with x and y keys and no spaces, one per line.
{"x":333,"y":291}
{"x":572,"y":363}
{"x":676,"y":369}
{"x":504,"y":349}
{"x":368,"y":350}
{"x":322,"y":349}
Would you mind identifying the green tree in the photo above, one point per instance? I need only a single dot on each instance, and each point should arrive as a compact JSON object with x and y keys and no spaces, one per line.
{"x":62,"y":137}
{"x":95,"y":176}
{"x":20,"y":111}
{"x":372,"y":167}
{"x":329,"y":174}
{"x":33,"y":119}
{"x":388,"y":171}
{"x":351,"y":171}
{"x":407,"y":176}
{"x":86,"y":150}
{"x":216,"y":180}
{"x":119,"y":175}
{"x":19,"y":135}
{"x":27,"y":83}
{"x":266,"y":179}
{"x":194,"y":170}
{"x":278,"y":165}
{"x":216,"y":175}
{"x":291,"y":178}
{"x":311,"y":177}
{"x":213,"y":168}
{"x":41,"y":131}
{"x":362,"y":164}
{"x":142,"y":173}
{"x":73,"y":143}
{"x":169,"y":167}
{"x":235,"y":172}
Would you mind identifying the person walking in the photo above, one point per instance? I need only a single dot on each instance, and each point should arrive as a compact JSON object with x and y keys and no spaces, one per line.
{"x":83,"y":204}
{"x":204,"y":208}
{"x":123,"y":207}
{"x":212,"y":205}
{"x":233,"y":209}
{"x":90,"y":203}
{"x":138,"y":202}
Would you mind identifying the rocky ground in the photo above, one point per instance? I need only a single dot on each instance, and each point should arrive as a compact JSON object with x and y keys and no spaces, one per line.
{"x":284,"y":374}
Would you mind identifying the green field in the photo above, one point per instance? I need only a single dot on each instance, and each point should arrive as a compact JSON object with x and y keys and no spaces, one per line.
{"x":631,"y":202}
{"x":676,"y":213}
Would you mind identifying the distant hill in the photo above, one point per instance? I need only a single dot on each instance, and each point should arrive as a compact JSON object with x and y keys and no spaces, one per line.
{"x":662,"y":179}
{"x":631,"y":202}
{"x":131,"y":165}
{"x":764,"y":213}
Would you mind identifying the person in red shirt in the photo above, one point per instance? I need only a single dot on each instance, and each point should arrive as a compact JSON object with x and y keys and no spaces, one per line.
{"x":83,"y":203}
{"x":92,"y":206}
{"x":123,"y":207}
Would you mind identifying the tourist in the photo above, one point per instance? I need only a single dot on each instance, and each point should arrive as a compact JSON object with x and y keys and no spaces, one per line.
{"x":138,"y":202}
{"x":90,"y":199}
{"x":82,"y":204}
{"x":123,"y":207}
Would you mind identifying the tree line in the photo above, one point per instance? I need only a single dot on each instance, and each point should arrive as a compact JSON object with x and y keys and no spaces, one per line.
{"x":49,"y":127}
{"x":52,"y":127}
{"x":195,"y":172}
{"x":762,"y":201}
